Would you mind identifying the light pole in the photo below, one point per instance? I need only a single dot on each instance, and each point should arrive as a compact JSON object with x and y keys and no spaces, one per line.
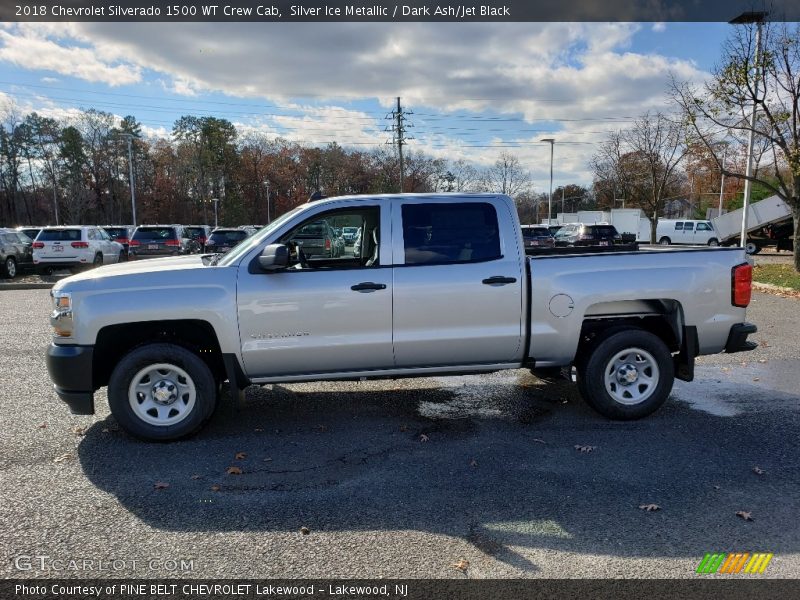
{"x":745,"y":18}
{"x":266,"y":182}
{"x":216,"y":219}
{"x":129,"y":137}
{"x":552,"y":142}
{"x":722,"y":182}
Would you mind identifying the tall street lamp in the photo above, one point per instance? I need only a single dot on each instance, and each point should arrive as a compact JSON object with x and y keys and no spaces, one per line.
{"x":550,"y":198}
{"x":746,"y":18}
{"x":216,"y":218}
{"x":129,"y":137}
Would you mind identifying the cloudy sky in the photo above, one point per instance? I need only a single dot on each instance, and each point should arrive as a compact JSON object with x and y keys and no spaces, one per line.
{"x":475,"y":89}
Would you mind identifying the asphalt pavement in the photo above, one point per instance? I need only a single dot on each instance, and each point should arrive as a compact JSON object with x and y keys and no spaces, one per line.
{"x":406,"y":478}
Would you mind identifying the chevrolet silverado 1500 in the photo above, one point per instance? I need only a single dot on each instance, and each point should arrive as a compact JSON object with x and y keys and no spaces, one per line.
{"x":442,"y":285}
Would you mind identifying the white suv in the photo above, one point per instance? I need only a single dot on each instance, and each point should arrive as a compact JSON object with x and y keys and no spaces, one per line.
{"x":74,"y":247}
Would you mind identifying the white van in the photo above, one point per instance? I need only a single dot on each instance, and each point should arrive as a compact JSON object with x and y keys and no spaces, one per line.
{"x":686,"y":231}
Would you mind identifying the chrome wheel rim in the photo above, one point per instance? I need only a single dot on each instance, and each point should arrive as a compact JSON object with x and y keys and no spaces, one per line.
{"x":631,"y":376}
{"x":162,"y":394}
{"x":750,"y":248}
{"x":11,"y":268}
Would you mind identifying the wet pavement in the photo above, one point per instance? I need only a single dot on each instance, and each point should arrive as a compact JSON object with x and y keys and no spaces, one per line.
{"x":403,"y":478}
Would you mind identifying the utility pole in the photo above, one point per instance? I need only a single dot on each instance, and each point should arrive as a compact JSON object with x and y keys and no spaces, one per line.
{"x":722,"y":182}
{"x":749,"y":18}
{"x":266,"y":182}
{"x":399,"y":137}
{"x":129,"y":137}
{"x":216,"y":219}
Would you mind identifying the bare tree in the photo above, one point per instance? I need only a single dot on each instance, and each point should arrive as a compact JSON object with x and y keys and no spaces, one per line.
{"x":642,"y":162}
{"x":507,"y":176}
{"x":719,"y":111}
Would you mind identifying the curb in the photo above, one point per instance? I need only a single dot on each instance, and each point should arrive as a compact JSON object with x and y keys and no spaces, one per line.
{"x":26,"y":286}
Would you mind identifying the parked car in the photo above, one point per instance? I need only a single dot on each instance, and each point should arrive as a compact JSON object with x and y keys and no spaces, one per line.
{"x":537,"y":236}
{"x":152,"y":241}
{"x":357,"y":244}
{"x":120,"y":234}
{"x":447,"y":289}
{"x":581,"y":234}
{"x":554,"y":229}
{"x":16,"y":252}
{"x":224,"y":238}
{"x":319,"y":239}
{"x":200,"y":234}
{"x":31,"y":232}
{"x":349,"y":235}
{"x":686,"y":231}
{"x":75,"y":247}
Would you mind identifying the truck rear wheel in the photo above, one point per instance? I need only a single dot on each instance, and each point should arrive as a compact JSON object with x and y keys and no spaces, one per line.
{"x":161,"y":392}
{"x":628,"y":375}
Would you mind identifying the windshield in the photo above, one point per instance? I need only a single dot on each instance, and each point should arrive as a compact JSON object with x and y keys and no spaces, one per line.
{"x":195,"y":232}
{"x":59,"y":235}
{"x":536,"y":232}
{"x":254,"y":240}
{"x":116,"y":232}
{"x":236,"y":235}
{"x":154,"y":233}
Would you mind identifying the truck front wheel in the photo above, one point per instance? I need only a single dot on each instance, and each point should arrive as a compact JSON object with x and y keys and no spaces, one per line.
{"x":628,"y":375}
{"x":161,"y":392}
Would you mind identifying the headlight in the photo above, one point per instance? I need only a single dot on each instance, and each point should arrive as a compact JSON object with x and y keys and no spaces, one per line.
{"x":61,"y":318}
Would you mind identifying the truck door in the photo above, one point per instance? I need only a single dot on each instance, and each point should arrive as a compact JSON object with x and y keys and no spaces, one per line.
{"x":458,"y":283}
{"x":323,"y":313}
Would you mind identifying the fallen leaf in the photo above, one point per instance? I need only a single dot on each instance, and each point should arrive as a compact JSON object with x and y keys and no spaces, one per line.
{"x":649,"y":507}
{"x":586,"y":449}
{"x":214,"y":488}
{"x":160,"y":485}
{"x":79,"y":430}
{"x":423,"y":438}
{"x":744,"y":364}
{"x":762,"y":360}
{"x":756,"y":378}
{"x":258,"y":429}
{"x":195,"y":476}
{"x":267,"y":459}
{"x":716,"y":487}
{"x":42,"y":426}
{"x":305,"y":530}
{"x":539,"y":441}
{"x":241,"y":455}
{"x":233,"y":471}
{"x":63,"y":457}
{"x":763,"y":344}
{"x":725,"y":369}
{"x":461,"y":565}
{"x":758,"y":470}
{"x":321,"y":428}
{"x":403,"y":427}
{"x":744,"y":515}
{"x":473,"y":463}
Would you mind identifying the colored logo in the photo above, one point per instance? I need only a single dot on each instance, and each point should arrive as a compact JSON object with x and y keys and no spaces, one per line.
{"x":734,"y":563}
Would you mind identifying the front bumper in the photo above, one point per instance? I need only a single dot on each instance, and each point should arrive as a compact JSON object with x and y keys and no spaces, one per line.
{"x":70,"y":368}
{"x":737,"y":338}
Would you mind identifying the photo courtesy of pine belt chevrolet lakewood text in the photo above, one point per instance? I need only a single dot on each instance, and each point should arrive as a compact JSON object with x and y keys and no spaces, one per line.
{"x":434,"y":284}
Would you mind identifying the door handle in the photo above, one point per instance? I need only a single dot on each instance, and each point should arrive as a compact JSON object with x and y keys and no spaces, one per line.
{"x":499,"y":280}
{"x":368,"y":286}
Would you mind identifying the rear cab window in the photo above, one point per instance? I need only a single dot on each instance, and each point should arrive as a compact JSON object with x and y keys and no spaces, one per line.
{"x":155,"y":233}
{"x":444,"y":233}
{"x":228,"y":236}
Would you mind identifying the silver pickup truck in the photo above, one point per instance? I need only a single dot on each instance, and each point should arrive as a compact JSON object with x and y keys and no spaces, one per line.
{"x":440,"y":285}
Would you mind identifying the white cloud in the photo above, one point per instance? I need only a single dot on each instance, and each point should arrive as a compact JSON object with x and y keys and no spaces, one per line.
{"x":659,"y":27}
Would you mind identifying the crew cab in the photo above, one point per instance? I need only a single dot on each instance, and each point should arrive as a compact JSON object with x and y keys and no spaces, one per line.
{"x":442,"y":285}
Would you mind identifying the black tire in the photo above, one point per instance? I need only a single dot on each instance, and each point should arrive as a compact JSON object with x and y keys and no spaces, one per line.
{"x":752,"y":248}
{"x":140,"y":358}
{"x":665,"y":241}
{"x":713,"y":242}
{"x":593,"y":368}
{"x":122,"y":257}
{"x":10,"y":267}
{"x":98,"y":260}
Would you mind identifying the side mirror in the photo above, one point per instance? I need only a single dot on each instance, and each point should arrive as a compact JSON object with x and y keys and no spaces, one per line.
{"x":274,"y":257}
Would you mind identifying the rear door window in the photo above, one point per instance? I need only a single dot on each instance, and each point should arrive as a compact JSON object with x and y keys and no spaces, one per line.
{"x":450,"y":233}
{"x":155,"y":233}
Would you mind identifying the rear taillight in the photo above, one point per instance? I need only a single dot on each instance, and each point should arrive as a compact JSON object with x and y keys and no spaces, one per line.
{"x":327,"y":244}
{"x":741,"y":284}
{"x":172,"y":243}
{"x":122,"y":240}
{"x":202,"y":239}
{"x":80,"y":244}
{"x":135,"y":243}
{"x":38,"y":244}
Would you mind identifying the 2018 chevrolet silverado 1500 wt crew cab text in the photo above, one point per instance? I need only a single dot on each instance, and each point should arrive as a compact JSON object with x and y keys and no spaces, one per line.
{"x":442,"y":285}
